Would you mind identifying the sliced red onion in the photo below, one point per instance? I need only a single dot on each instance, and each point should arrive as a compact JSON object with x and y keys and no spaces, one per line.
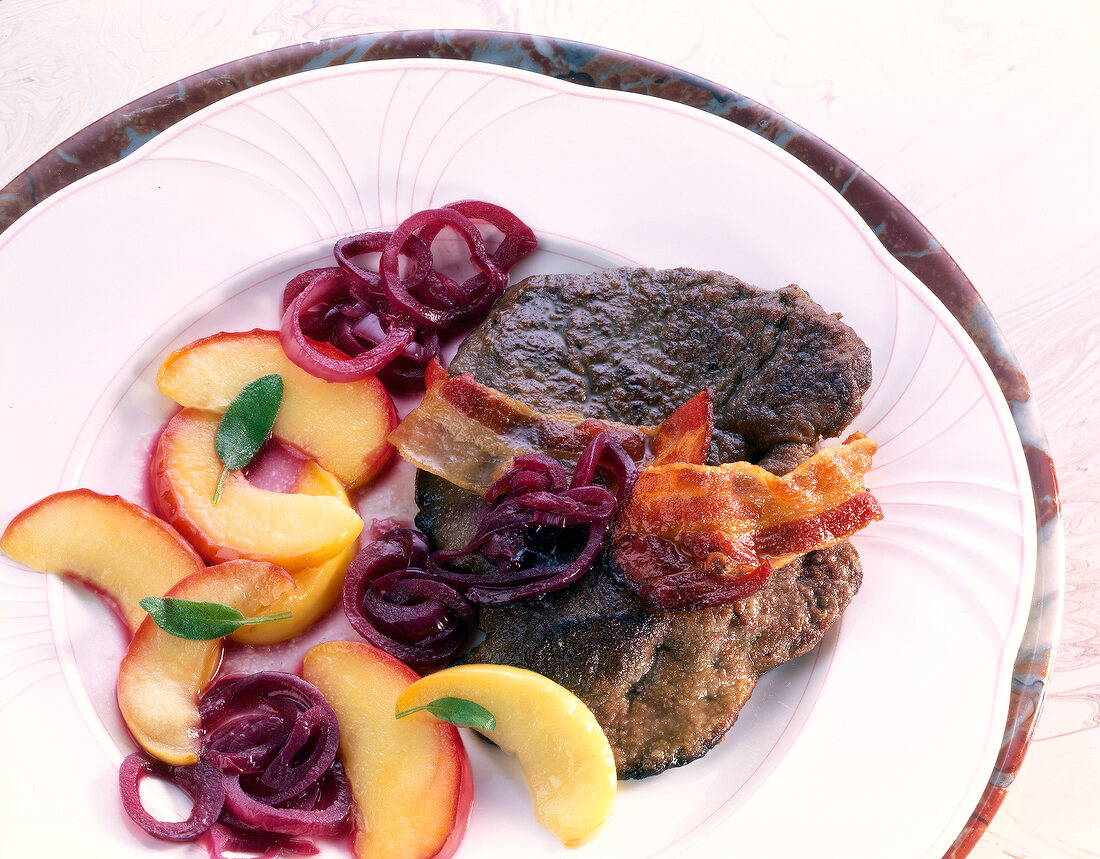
{"x":444,"y":317}
{"x":246,"y":744}
{"x":604,"y":452}
{"x":556,"y":577}
{"x":406,"y":369}
{"x":202,"y":782}
{"x":313,"y":358}
{"x":299,"y":282}
{"x":267,"y":771}
{"x":226,"y":842}
{"x":386,"y":323}
{"x":518,"y":241}
{"x":364,"y":243}
{"x":532,"y":495}
{"x":301,"y":736}
{"x":410,"y":602}
{"x":390,"y":600}
{"x":308,"y":752}
{"x":591,"y":506}
{"x":329,"y":814}
{"x":529,"y":473}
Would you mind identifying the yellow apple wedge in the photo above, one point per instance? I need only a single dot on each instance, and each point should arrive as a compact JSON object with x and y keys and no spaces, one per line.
{"x":118,"y":549}
{"x":410,"y":778}
{"x":161,"y":676}
{"x":343,"y":425}
{"x":560,"y":746}
{"x":291,"y":529}
{"x":319,"y":587}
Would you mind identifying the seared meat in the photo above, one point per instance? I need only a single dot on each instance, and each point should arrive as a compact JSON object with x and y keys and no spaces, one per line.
{"x":631,"y":345}
{"x":667,"y":685}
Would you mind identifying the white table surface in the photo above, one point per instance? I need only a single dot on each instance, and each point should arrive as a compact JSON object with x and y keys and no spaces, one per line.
{"x":981,"y":117}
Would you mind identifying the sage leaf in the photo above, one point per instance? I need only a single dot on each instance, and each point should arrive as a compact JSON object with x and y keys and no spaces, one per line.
{"x":457,"y":711}
{"x":199,"y":621}
{"x":246,"y":424}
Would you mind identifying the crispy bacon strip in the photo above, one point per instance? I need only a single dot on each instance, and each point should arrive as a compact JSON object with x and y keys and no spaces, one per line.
{"x":692,"y":536}
{"x":685,"y":434}
{"x":469,"y":433}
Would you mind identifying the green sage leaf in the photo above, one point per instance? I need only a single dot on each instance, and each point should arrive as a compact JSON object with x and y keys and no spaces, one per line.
{"x":246,"y":424}
{"x":457,"y":711}
{"x":199,"y":621}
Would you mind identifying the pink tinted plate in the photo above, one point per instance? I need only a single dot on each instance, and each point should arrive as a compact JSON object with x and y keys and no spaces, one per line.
{"x":879,"y":743}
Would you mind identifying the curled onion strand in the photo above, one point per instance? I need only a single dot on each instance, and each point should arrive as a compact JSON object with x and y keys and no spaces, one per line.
{"x":267,"y":773}
{"x":388,"y":322}
{"x":416,"y":604}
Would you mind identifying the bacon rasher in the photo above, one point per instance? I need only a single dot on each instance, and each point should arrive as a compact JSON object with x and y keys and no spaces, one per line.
{"x":692,"y":536}
{"x":469,"y":433}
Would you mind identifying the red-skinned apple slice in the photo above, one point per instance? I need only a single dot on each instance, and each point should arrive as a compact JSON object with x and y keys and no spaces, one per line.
{"x":294,"y":530}
{"x":116,"y":548}
{"x":319,"y":587}
{"x":410,"y":777}
{"x":161,"y":676}
{"x":343,"y":425}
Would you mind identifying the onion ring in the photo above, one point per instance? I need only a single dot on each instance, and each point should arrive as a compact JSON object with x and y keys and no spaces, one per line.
{"x":201,"y":781}
{"x":392,"y":602}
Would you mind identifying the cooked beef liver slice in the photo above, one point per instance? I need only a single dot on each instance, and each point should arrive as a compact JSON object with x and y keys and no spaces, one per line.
{"x":666,"y":686}
{"x":631,"y":345}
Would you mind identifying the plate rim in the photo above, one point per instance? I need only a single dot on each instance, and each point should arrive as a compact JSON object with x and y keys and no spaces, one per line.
{"x":113,"y":137}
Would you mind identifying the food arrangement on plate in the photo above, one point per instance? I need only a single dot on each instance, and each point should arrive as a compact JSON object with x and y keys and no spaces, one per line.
{"x":622,"y":493}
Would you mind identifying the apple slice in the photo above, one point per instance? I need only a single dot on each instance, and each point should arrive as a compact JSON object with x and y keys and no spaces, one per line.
{"x":293,"y":530}
{"x":410,"y":777}
{"x":161,"y":676}
{"x":343,"y":425}
{"x":559,"y":744}
{"x":118,"y":549}
{"x":319,"y":587}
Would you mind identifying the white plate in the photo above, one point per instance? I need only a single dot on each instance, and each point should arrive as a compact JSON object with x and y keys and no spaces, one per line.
{"x":879,"y":743}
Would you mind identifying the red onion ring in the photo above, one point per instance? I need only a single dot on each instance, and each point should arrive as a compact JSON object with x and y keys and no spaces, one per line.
{"x":307,"y":354}
{"x":364,"y":243}
{"x":267,"y":769}
{"x":399,"y":292}
{"x":604,"y":452}
{"x":530,"y":473}
{"x":301,"y":739}
{"x":555,"y":577}
{"x":225,"y":842}
{"x":519,"y":239}
{"x":512,"y":519}
{"x":412,"y":604}
{"x":533,"y":495}
{"x":391,"y":602}
{"x":327,"y":814}
{"x":202,"y":782}
{"x":386,"y":324}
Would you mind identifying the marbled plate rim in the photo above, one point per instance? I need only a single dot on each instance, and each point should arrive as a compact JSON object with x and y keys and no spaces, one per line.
{"x":121,"y":132}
